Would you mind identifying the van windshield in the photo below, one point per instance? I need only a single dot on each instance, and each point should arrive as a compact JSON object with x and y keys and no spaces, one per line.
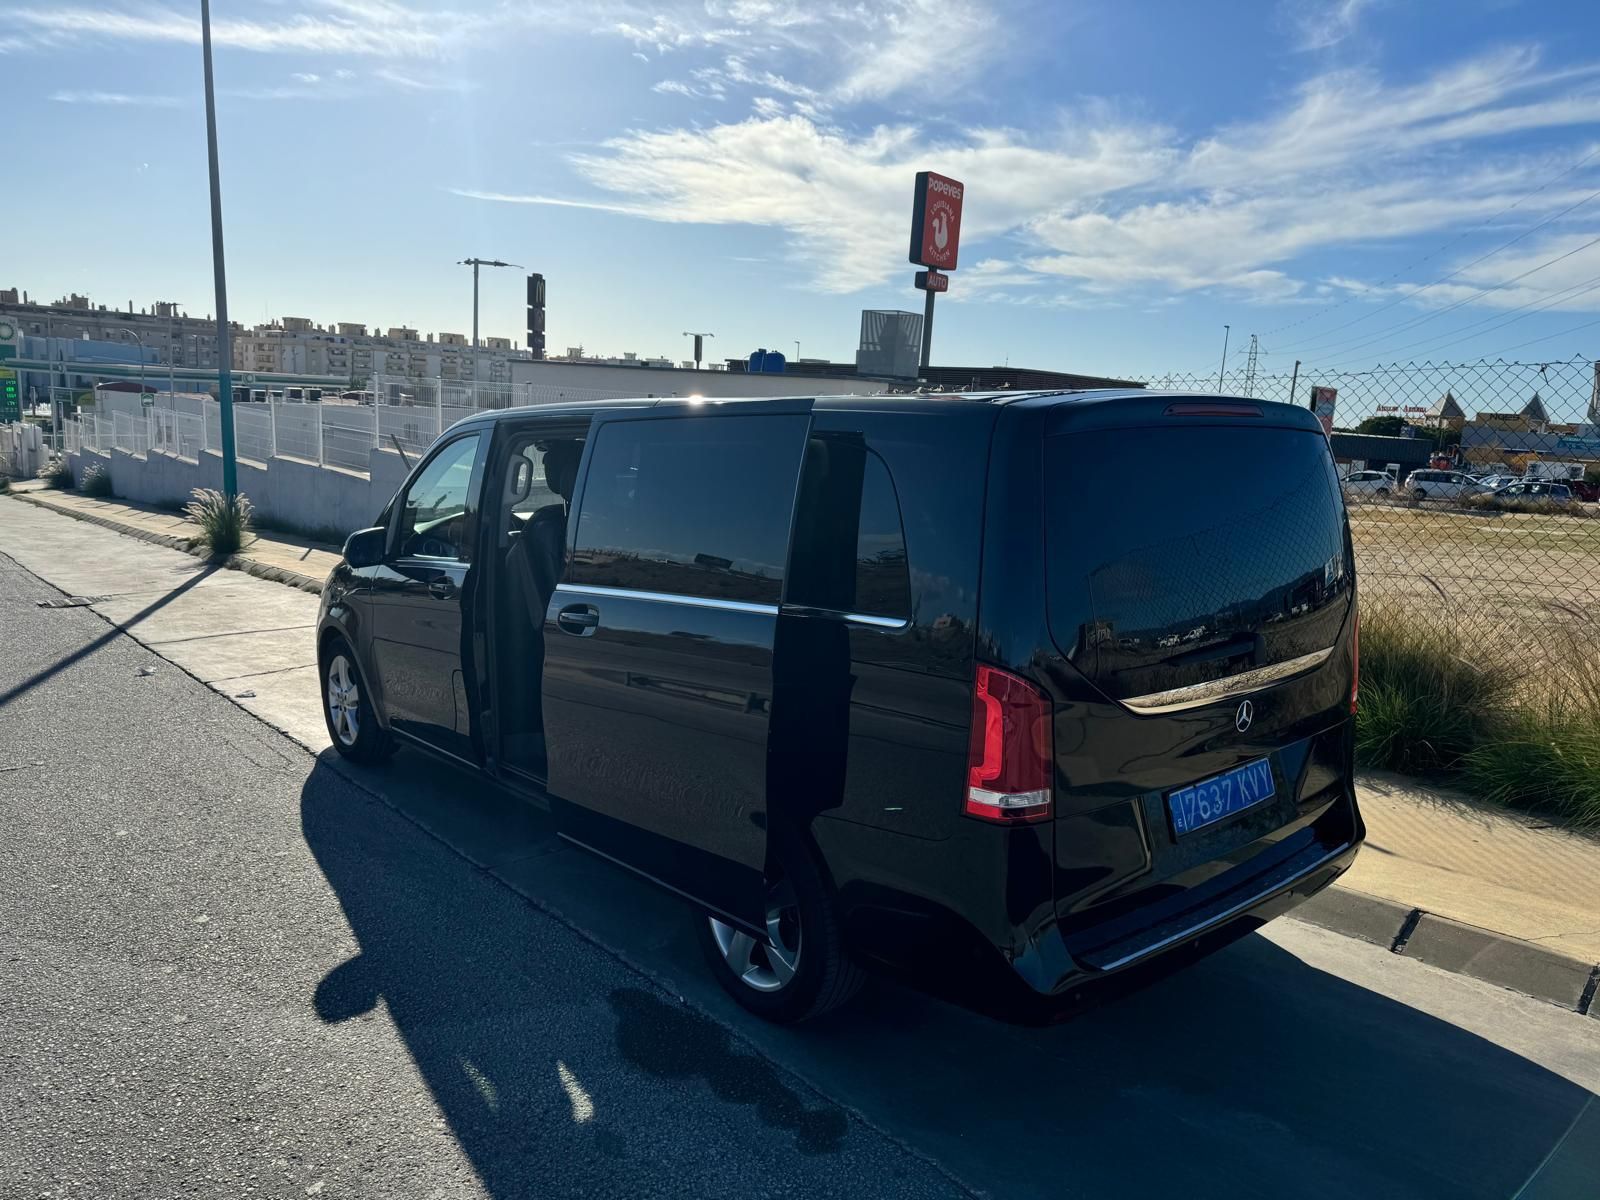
{"x":1188,"y":553}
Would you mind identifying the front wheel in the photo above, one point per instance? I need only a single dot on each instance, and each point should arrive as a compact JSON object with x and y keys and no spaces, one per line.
{"x":1383,"y":493}
{"x":347,"y":708}
{"x":1419,"y":494}
{"x":799,"y":969}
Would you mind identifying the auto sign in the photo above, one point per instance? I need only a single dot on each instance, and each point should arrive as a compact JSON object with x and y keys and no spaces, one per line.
{"x":936,"y":221}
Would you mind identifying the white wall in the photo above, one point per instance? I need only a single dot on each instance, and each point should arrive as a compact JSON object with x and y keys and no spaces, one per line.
{"x":284,"y":491}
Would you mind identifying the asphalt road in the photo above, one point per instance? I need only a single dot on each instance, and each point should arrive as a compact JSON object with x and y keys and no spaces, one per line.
{"x":228,"y":968}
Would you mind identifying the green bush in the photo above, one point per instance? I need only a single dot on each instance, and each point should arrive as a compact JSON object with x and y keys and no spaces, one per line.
{"x":1425,"y":694}
{"x":1542,"y":761}
{"x":95,"y":481}
{"x":224,"y":523}
{"x":1434,"y":704}
{"x":57,"y":474}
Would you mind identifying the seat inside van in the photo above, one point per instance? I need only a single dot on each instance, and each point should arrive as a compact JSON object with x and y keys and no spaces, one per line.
{"x":537,"y":495}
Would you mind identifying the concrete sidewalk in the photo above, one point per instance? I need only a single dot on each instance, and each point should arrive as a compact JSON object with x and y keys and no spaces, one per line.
{"x":1440,"y":873}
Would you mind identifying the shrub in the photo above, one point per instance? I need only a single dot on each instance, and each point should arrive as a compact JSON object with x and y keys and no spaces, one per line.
{"x":223,"y":522}
{"x":95,"y":481}
{"x":57,"y":474}
{"x":1426,"y":694}
{"x":5,"y":484}
{"x":1548,"y":761}
{"x":1530,"y":504}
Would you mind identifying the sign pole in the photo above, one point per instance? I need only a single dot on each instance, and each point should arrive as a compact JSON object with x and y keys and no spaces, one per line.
{"x":927,"y":332}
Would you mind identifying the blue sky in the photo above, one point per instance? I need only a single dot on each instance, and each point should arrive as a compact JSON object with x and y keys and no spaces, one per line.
{"x":1337,"y":177}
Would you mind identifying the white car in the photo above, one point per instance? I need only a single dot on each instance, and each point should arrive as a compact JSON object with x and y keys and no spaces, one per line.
{"x":1496,"y":482}
{"x":1441,"y":485}
{"x":1369,"y":483}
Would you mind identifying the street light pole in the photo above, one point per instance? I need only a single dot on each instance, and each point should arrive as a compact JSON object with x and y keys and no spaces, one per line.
{"x":1224,"y":365}
{"x":699,"y":344}
{"x":140,"y":340}
{"x":230,"y":467}
{"x":475,"y":263}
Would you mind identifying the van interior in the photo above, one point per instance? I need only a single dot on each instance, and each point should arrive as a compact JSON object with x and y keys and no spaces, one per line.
{"x":535,"y":499}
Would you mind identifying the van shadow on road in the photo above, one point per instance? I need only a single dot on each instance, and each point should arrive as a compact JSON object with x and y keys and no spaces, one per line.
{"x":1251,"y":1073}
{"x":559,"y":1071}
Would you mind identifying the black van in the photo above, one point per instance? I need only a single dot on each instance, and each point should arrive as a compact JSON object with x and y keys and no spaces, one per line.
{"x":1011,"y":687}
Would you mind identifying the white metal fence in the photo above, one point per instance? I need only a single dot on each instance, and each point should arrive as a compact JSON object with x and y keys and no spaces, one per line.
{"x":407,"y":414}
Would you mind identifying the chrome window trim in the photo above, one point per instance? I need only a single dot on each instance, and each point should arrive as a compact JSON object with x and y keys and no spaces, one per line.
{"x":1214,"y":691}
{"x":854,"y":618}
{"x":767,"y":610}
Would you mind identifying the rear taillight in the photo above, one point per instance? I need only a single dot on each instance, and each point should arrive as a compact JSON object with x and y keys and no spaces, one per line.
{"x":1009,"y":759}
{"x":1355,"y":665}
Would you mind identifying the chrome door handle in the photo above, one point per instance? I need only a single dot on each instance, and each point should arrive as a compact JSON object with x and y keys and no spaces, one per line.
{"x":579,"y":619}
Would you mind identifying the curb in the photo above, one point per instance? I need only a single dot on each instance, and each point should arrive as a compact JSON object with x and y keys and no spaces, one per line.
{"x":234,"y":562}
{"x":1450,"y":945}
{"x":1454,"y":946}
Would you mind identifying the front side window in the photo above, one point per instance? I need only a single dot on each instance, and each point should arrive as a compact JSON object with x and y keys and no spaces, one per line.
{"x":435,"y":511}
{"x":690,"y":506}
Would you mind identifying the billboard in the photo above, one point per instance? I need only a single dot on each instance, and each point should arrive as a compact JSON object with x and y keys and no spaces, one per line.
{"x":1323,"y":400}
{"x":936,"y":221}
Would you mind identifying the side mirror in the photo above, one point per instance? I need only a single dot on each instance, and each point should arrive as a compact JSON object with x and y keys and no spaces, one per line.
{"x":365,"y":547}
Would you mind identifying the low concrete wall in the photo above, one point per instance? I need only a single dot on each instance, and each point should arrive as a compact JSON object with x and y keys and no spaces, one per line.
{"x":288,"y":492}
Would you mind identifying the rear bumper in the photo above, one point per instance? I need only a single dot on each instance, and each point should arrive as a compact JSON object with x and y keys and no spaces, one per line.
{"x":1048,"y":969}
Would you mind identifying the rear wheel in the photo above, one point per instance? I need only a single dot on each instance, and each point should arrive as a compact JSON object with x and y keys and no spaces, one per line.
{"x":1383,"y":492}
{"x":347,"y":708}
{"x":1419,"y":494}
{"x":799,"y":969}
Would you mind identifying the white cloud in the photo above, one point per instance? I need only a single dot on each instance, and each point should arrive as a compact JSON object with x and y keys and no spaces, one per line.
{"x":1107,"y":205}
{"x":305,"y":77}
{"x":380,"y":28}
{"x":116,"y":99}
{"x":1319,"y":24}
{"x":420,"y":83}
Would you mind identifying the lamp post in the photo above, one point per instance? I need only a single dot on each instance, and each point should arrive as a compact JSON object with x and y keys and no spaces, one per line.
{"x":475,"y":263}
{"x":1224,"y":365}
{"x":230,"y":466}
{"x":134,"y":334}
{"x":699,"y":344}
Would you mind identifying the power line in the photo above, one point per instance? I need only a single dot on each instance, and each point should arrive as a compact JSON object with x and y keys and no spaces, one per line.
{"x":1501,"y":319}
{"x":1439,"y":312}
{"x":1411,"y":295}
{"x":1436,"y":251}
{"x":1549,"y":337}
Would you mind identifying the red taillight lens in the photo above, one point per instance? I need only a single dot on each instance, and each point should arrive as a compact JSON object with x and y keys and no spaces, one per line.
{"x":1355,"y":665}
{"x":1213,"y":408}
{"x":1009,"y":757}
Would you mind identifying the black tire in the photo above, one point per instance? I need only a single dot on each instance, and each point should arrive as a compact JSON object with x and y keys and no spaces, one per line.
{"x":1419,"y":494}
{"x":824,"y":976}
{"x":1384,"y":493}
{"x":357,"y":736}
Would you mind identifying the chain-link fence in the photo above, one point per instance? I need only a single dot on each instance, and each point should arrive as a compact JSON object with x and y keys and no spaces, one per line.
{"x":1472,"y":493}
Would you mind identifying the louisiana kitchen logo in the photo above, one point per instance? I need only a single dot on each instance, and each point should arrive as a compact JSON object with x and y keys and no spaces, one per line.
{"x":936,"y":221}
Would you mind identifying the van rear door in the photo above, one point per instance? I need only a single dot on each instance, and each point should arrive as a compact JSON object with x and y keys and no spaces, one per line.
{"x":1200,"y":590}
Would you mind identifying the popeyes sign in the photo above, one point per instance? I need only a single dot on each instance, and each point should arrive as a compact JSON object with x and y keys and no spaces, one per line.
{"x":936,"y":221}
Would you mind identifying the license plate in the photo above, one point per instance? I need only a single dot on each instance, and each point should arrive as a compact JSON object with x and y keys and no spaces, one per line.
{"x":1210,"y":800}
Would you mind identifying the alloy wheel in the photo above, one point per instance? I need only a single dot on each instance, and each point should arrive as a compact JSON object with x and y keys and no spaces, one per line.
{"x":767,"y":965}
{"x":344,"y":700}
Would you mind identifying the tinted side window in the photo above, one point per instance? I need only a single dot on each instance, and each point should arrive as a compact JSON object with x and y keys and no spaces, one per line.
{"x":850,"y":544}
{"x":693,"y":506}
{"x":435,"y":510}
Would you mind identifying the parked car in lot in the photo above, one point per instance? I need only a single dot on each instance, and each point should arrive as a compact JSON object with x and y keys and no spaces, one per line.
{"x":1584,"y":490}
{"x":882,"y":680}
{"x":1441,"y":485}
{"x":1533,"y":489}
{"x":1368,"y":483}
{"x":1492,"y":482}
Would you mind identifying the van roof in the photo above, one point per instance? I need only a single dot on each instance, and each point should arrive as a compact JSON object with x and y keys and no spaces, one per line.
{"x":881,"y":401}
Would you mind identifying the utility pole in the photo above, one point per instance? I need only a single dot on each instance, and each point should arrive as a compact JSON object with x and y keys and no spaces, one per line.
{"x":1294,"y":379}
{"x":797,"y":349}
{"x":475,"y":263}
{"x":1224,"y":365}
{"x":700,"y":344}
{"x":1250,"y":368}
{"x":230,"y":465}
